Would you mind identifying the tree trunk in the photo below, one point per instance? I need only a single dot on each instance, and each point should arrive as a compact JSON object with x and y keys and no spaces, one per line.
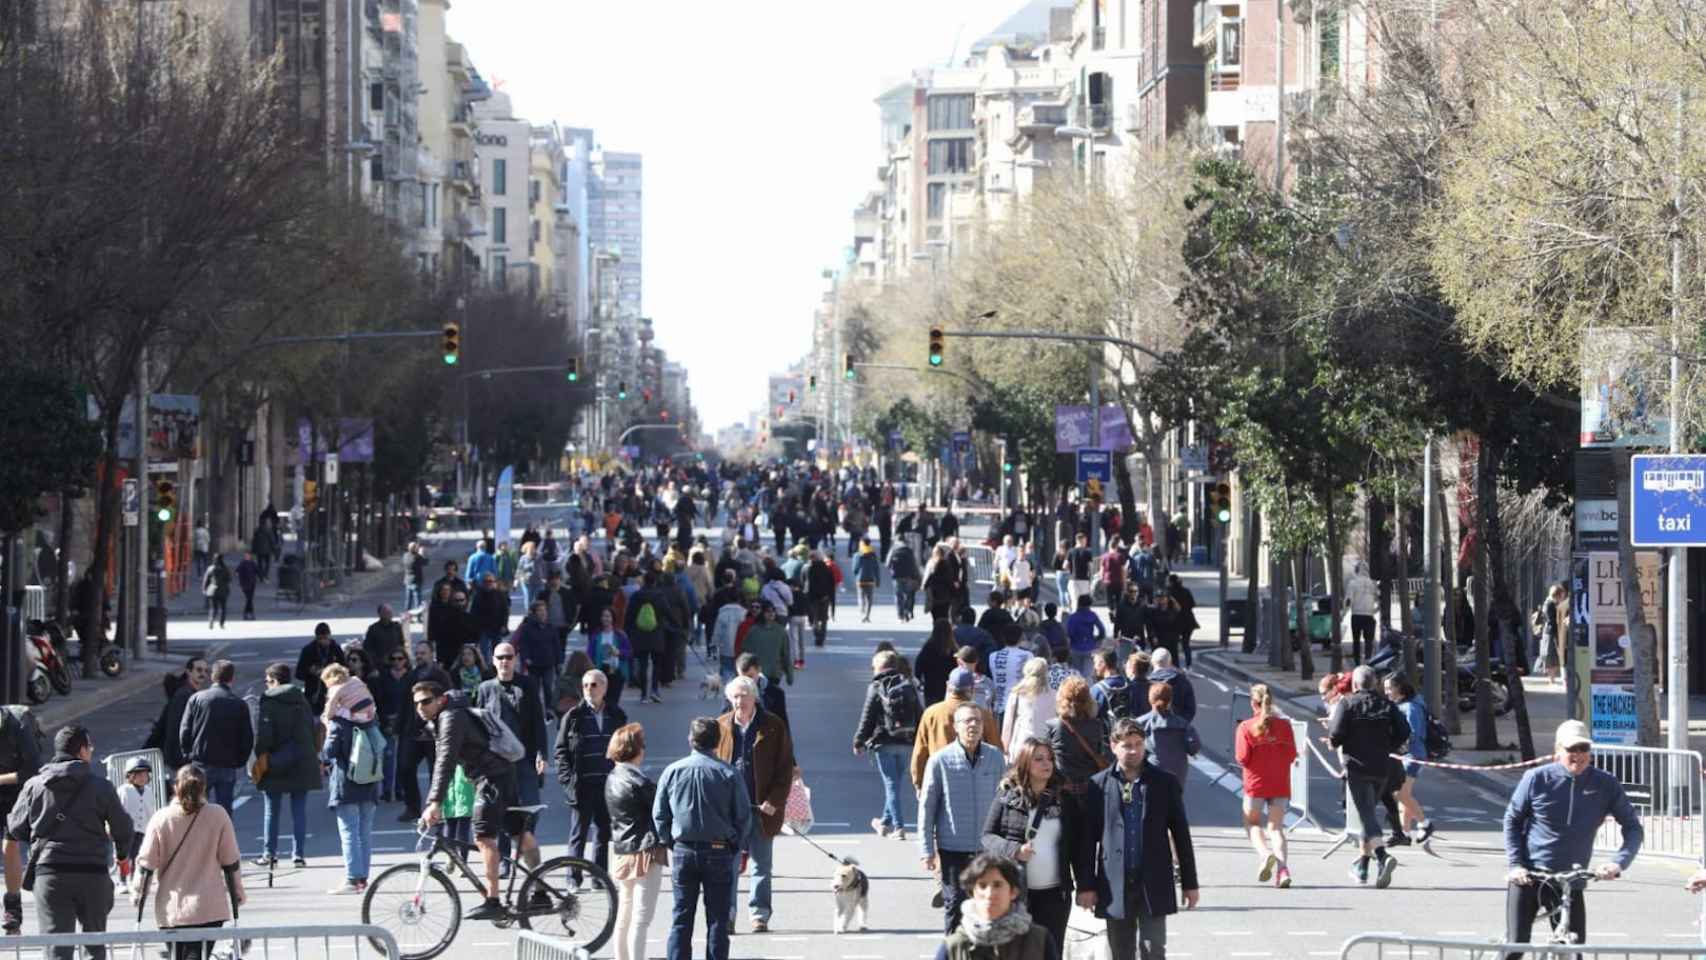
{"x":106,"y":517}
{"x":1378,"y":568}
{"x":1299,"y":577}
{"x":1502,"y":609}
{"x":1336,"y":580}
{"x":1152,"y":470}
{"x":1643,"y":641}
{"x":1486,"y":732}
{"x":1252,"y":591}
{"x":1406,"y":622}
{"x":1448,"y":619}
{"x":1128,"y":498}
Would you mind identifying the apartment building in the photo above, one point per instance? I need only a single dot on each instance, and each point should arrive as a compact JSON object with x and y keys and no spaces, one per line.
{"x":504,"y":144}
{"x":614,"y":223}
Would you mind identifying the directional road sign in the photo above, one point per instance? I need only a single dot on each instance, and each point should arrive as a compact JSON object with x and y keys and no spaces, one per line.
{"x":1667,"y":495}
{"x":130,"y":502}
{"x":1096,"y":464}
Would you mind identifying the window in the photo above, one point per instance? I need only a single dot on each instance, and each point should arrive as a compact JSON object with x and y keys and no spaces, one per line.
{"x":500,"y":225}
{"x":376,"y":96}
{"x":1329,"y":29}
{"x":426,"y":205}
{"x":532,"y":192}
{"x":500,"y":269}
{"x":937,"y":194}
{"x":949,"y":156}
{"x":500,"y":177}
{"x":376,"y":168}
{"x":950,"y":112}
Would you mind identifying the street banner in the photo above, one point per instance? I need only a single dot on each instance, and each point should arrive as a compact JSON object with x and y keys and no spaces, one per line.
{"x":354,"y":436}
{"x":504,"y":505}
{"x":174,"y":427}
{"x":1072,"y":428}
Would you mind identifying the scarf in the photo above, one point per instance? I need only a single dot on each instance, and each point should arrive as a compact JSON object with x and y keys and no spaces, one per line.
{"x":994,"y":933}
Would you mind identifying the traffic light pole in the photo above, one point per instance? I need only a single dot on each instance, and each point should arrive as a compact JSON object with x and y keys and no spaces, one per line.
{"x":139,"y":568}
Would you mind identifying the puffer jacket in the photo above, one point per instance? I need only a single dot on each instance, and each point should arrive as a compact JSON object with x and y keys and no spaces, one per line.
{"x":1008,"y":827}
{"x":955,"y":798}
{"x":873,"y":732}
{"x":460,"y":740}
{"x":723,"y":632}
{"x":92,"y":810}
{"x":286,"y":735}
{"x":629,"y":793}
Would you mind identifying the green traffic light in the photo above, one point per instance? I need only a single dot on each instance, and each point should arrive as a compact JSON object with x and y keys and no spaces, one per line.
{"x":935,"y":359}
{"x":164,"y":515}
{"x":450,"y":359}
{"x":851,"y":375}
{"x":1224,"y":516}
{"x":573,"y":377}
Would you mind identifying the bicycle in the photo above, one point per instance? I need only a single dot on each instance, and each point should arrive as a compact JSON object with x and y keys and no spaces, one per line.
{"x":419,"y":904}
{"x":1560,"y":884}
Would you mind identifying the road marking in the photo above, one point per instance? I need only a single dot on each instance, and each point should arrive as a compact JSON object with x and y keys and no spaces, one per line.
{"x":1306,"y":933}
{"x":1251,"y":953}
{"x":1456,"y":933}
{"x":1233,"y":933}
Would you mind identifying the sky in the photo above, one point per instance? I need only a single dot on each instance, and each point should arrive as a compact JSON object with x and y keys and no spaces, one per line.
{"x":759,"y":133}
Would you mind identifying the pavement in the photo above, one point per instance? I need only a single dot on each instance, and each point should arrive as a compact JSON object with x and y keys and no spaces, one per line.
{"x":1460,"y":888}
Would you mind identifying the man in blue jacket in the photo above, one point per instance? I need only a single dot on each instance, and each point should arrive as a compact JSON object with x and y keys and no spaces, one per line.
{"x":960,"y":782}
{"x":1550,"y":825}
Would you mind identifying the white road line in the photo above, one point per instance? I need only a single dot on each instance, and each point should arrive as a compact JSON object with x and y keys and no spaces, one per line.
{"x":1251,"y":953}
{"x":1459,"y":933}
{"x":1306,"y":933}
{"x":1233,"y":933}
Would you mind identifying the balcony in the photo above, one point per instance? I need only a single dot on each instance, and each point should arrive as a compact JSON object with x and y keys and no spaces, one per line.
{"x":1100,"y":116}
{"x":462,"y":121}
{"x":1038,"y":118}
{"x":1205,"y":24}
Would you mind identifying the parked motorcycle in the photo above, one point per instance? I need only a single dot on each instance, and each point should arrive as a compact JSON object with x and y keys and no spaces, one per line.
{"x":1388,"y":657}
{"x":111,"y":657}
{"x":48,"y":670}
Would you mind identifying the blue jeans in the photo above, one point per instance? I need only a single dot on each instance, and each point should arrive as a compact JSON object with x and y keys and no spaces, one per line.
{"x":272,"y":818}
{"x":355,"y":832}
{"x":411,"y":597}
{"x":389,"y":790}
{"x":1063,"y":588}
{"x":762,"y":847}
{"x":221,"y":785}
{"x":692,"y":869}
{"x":891,"y":760}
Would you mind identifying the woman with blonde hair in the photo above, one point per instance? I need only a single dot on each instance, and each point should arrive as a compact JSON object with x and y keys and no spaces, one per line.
{"x":196,"y":866}
{"x":1028,"y":823}
{"x":1265,"y":748}
{"x":1030,"y":705}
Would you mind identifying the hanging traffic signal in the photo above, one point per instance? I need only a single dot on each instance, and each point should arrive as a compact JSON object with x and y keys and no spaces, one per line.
{"x":621,"y":389}
{"x":935,"y":346}
{"x":573,"y":371}
{"x":452,"y":343}
{"x":847,"y":366}
{"x":1222,"y":502}
{"x":811,"y":383}
{"x":310,"y":495}
{"x":165,"y":500}
{"x":646,"y":394}
{"x":1006,"y":466}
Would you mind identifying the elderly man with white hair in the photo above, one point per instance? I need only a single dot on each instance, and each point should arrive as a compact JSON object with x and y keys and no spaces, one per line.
{"x":1184,"y":694}
{"x":583,"y":740}
{"x":756,"y":743}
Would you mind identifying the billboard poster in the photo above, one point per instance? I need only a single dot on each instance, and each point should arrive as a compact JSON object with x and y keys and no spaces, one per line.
{"x":1624,"y":386}
{"x":355,"y":443}
{"x":503,"y":505}
{"x":1603,"y":663}
{"x":1072,"y":428}
{"x":174,"y":427}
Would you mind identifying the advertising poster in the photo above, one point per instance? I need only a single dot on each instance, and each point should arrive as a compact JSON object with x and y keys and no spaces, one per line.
{"x":1624,"y":384}
{"x":1607,"y":671}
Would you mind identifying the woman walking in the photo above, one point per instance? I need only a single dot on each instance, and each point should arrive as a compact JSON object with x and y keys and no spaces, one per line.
{"x":1030,"y":705}
{"x":1029,"y":824}
{"x":1546,"y":658}
{"x":1413,"y":825}
{"x":639,"y":855}
{"x":608,"y":650}
{"x":1076,"y":736}
{"x":352,"y":714}
{"x":471,"y":669}
{"x":1265,"y":748}
{"x":1173,"y":741}
{"x":285,"y":738}
{"x":216,"y":588}
{"x":191,"y":850}
{"x":994,"y":923}
{"x":935,"y":661}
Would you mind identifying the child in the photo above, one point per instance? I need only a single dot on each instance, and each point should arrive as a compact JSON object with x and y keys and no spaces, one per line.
{"x":138,"y":802}
{"x":346,"y":696}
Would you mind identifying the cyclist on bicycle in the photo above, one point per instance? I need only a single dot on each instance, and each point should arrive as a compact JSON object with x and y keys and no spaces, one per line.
{"x":1550,"y":825}
{"x":461,"y":738}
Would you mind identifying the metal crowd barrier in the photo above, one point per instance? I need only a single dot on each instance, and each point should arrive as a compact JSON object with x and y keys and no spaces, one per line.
{"x":981,"y":563}
{"x":1300,"y":797}
{"x":1665,"y":787}
{"x":1382,"y":946}
{"x":296,"y":942}
{"x":532,"y":946}
{"x":156,"y":781}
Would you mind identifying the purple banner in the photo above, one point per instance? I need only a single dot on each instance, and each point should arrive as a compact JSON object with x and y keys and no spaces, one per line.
{"x":355,"y":442}
{"x":1072,"y":428}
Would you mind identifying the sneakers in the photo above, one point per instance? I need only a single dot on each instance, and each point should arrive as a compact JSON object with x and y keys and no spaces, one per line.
{"x":880,"y":827}
{"x":1267,"y":871}
{"x":899,"y":833}
{"x":301,"y":863}
{"x":1283,"y":878}
{"x":1388,"y":864}
{"x":760,"y":926}
{"x":1427,"y":831}
{"x":489,"y":909}
{"x":347,"y":888}
{"x":1359,"y":871}
{"x":1398,"y":839}
{"x":265,"y":861}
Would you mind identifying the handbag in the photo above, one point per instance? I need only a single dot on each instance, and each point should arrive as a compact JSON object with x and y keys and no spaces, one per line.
{"x":42,"y":837}
{"x":258,"y":769}
{"x":797,"y":812}
{"x":1095,"y":754}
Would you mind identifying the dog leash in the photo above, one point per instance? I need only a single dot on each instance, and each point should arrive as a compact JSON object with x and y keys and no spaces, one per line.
{"x":841,"y":860}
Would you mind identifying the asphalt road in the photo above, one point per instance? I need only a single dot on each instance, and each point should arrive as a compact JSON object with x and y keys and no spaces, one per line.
{"x":1459,"y":892}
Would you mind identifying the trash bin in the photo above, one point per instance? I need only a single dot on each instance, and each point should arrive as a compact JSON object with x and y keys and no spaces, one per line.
{"x":289,"y":580}
{"x":1236,"y":613}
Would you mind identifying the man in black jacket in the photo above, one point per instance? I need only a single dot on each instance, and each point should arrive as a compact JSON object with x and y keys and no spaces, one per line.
{"x":164,"y":735}
{"x":490,"y":607}
{"x":582,"y":766}
{"x":1366,"y":728}
{"x":74,"y":821}
{"x":646,"y":606}
{"x":217,"y":736}
{"x":411,"y":748}
{"x":315,"y":656}
{"x":461,"y":740}
{"x":384,"y":637}
{"x":518,"y":700}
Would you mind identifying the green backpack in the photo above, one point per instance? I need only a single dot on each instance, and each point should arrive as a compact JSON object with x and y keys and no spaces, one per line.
{"x":367,"y":755}
{"x":647,"y":619}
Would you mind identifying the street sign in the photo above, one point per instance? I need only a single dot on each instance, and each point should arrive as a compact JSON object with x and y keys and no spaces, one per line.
{"x":1667,"y":500}
{"x":331,"y":469}
{"x":895,"y":440}
{"x":1193,"y":459}
{"x":962,"y":441}
{"x":1097,"y":465}
{"x":130,"y":501}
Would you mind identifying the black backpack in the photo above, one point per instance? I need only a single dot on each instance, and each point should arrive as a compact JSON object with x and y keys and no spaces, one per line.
{"x":1124,"y":702}
{"x":902,"y":708}
{"x":1437,"y":739}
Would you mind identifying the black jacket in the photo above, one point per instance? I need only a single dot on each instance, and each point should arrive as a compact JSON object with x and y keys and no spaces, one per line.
{"x":629,"y":793}
{"x":216,"y":731}
{"x":993,"y":620}
{"x":1164,"y":823}
{"x":1071,"y":760}
{"x":382,"y":640}
{"x":312,"y":660}
{"x":873,"y":732}
{"x":820,"y":581}
{"x":932,"y":667}
{"x":286,"y":735}
{"x":460,"y":740}
{"x":1367,"y":729}
{"x":94,"y":821}
{"x":1007,"y":827}
{"x":409,"y":721}
{"x":490,"y":609}
{"x":903,"y":563}
{"x":581,"y":762}
{"x":164,"y":735}
{"x":522,"y":708}
{"x":641,"y":640}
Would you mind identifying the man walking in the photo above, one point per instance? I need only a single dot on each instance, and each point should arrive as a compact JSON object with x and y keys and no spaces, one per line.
{"x":938,"y":728}
{"x":414,"y":570}
{"x":316,"y":655}
{"x":384,"y":637}
{"x":539,"y":645}
{"x":1085,"y":633}
{"x":217,"y":736}
{"x":888,"y":726}
{"x":248,"y":577}
{"x":1550,"y":824}
{"x":411,"y":749}
{"x":757,"y":744}
{"x":1366,"y":728}
{"x":1134,"y":812}
{"x":74,"y":822}
{"x":516,"y":698}
{"x":165,"y":733}
{"x":702,"y":811}
{"x":583,"y":766}
{"x":960,"y":782}
{"x":490,"y":609}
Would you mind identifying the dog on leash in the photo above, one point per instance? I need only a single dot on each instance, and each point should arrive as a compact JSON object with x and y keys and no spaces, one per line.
{"x":711,"y":687}
{"x":852,"y":891}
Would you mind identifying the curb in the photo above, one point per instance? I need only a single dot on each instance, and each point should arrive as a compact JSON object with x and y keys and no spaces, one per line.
{"x":56,"y":714}
{"x":1482,"y":780}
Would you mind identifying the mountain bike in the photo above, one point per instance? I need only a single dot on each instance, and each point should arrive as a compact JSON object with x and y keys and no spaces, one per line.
{"x":419,"y":904}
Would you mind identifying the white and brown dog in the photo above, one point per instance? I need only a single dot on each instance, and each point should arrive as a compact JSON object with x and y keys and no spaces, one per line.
{"x":711,"y":687}
{"x":852,"y":891}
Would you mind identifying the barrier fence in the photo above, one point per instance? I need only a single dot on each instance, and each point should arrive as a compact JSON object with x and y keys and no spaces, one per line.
{"x":980,"y":563}
{"x":1301,"y":798}
{"x":532,"y":946}
{"x":296,"y":942}
{"x":1388,"y":946}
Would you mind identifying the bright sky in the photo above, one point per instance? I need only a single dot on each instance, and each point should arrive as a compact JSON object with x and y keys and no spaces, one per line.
{"x":759,"y":134}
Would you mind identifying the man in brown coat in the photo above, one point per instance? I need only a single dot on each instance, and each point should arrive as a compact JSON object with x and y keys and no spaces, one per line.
{"x":757,"y":745}
{"x":936,"y":726}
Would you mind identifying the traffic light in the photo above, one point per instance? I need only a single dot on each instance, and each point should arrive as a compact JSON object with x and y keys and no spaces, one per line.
{"x":165,"y":500}
{"x":847,"y":366}
{"x":452,"y":343}
{"x":664,"y":414}
{"x":621,"y":389}
{"x":1006,"y":466}
{"x":811,"y":383}
{"x":310,"y":494}
{"x":646,"y":394}
{"x":1221,"y":501}
{"x":935,"y":346}
{"x":573,"y":371}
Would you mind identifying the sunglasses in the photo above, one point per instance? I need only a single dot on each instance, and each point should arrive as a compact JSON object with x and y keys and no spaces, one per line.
{"x":1579,"y":748}
{"x":399,"y":659}
{"x":504,"y":656}
{"x":422,"y":703}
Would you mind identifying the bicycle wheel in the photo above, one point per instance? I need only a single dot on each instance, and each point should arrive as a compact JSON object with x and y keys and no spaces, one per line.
{"x":422,"y":913}
{"x":584,"y":917}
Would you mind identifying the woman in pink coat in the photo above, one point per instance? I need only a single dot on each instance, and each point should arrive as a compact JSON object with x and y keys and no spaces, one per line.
{"x":191,"y":851}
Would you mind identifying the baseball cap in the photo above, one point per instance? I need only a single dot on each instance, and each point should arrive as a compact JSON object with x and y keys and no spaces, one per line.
{"x":962,"y":679}
{"x":136,"y":764}
{"x":1572,"y":732}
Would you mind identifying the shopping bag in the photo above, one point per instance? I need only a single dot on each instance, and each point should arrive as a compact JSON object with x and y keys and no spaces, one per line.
{"x":798,"y":812}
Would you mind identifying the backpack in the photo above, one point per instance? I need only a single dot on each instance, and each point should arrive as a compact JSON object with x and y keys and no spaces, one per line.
{"x":646,"y":620}
{"x":500,"y":739}
{"x":902,"y":708}
{"x":31,"y":743}
{"x":1437,"y":739}
{"x":1124,"y":702}
{"x":367,"y":755}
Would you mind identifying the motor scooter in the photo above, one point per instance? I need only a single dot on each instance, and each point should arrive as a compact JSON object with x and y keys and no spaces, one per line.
{"x":1388,"y":657}
{"x":48,"y":671}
